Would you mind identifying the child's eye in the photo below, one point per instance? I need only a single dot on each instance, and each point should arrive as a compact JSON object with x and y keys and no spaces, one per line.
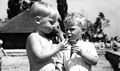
{"x":72,"y":29}
{"x":52,"y":22}
{"x":66,"y":29}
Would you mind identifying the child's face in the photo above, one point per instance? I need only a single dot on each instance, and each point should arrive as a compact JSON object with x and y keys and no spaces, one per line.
{"x":73,"y":32}
{"x":46,"y":24}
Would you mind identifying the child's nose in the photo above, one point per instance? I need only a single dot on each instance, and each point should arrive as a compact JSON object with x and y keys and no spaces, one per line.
{"x":68,"y":31}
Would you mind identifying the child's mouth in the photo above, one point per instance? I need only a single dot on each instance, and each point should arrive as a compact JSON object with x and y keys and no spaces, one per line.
{"x":69,"y":36}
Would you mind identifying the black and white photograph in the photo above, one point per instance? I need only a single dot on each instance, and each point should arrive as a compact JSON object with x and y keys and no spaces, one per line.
{"x":59,"y":35}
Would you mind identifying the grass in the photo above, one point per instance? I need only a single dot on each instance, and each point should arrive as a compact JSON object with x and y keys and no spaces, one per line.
{"x":20,"y":63}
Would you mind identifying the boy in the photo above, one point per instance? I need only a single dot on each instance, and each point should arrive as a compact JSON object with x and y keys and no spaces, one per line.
{"x":80,"y":55}
{"x":39,"y":48}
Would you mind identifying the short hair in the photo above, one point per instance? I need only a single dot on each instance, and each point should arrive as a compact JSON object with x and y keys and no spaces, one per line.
{"x":76,"y":17}
{"x":43,"y":9}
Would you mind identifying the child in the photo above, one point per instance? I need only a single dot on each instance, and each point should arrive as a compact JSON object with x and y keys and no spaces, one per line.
{"x":80,"y":55}
{"x":39,"y":48}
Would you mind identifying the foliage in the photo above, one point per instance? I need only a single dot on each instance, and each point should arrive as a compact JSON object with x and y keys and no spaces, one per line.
{"x":94,"y":31}
{"x":62,"y":9}
{"x":15,"y":7}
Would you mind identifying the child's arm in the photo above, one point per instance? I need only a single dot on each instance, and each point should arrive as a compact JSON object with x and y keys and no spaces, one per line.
{"x":91,"y":60}
{"x":37,"y":49}
{"x":89,"y":55}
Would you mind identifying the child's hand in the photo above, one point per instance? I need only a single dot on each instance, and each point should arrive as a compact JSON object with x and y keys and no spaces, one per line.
{"x":57,"y":28}
{"x":75,"y":49}
{"x":59,"y":32}
{"x":63,"y":44}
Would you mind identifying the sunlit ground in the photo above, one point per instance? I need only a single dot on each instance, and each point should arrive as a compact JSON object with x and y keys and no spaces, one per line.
{"x":20,"y":63}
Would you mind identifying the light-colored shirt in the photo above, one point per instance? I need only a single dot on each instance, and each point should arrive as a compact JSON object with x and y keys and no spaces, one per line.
{"x":76,"y":62}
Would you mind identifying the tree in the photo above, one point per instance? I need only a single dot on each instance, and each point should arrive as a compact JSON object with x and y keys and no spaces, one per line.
{"x":15,"y":7}
{"x":94,"y":31}
{"x":62,"y":9}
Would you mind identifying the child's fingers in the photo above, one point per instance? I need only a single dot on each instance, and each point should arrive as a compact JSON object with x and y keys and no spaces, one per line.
{"x":75,"y":49}
{"x":66,"y":41}
{"x":66,"y":46}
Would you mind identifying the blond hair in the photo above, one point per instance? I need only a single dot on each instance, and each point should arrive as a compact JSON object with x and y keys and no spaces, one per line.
{"x":75,"y":18}
{"x":43,"y":9}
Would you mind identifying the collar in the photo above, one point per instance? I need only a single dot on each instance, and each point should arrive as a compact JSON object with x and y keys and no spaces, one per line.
{"x":73,"y":42}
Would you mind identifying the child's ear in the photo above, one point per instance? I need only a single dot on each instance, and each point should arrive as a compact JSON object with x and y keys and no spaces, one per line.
{"x":37,"y":19}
